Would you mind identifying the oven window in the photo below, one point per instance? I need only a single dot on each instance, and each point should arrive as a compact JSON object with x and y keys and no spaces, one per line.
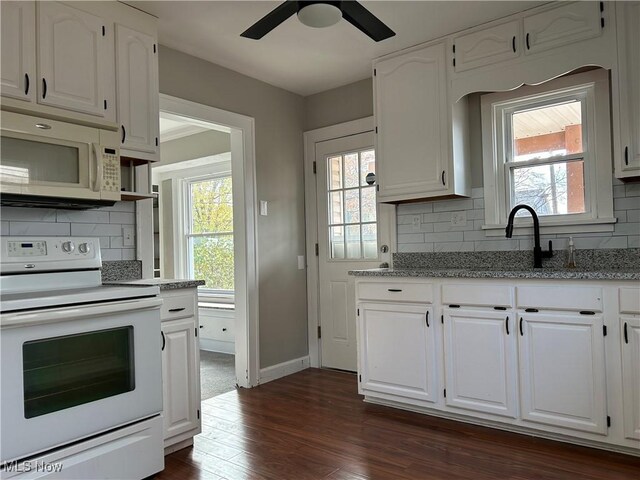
{"x":63,"y":372}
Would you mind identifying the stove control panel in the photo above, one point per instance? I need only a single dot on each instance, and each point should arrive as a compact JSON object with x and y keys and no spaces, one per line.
{"x":21,"y":254}
{"x":26,"y":249}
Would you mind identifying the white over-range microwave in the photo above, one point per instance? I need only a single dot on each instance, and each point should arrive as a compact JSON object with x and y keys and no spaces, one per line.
{"x":47,"y":162}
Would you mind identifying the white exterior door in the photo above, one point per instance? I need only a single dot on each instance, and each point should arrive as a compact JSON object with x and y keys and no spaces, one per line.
{"x":18,"y":37}
{"x":481,"y":361}
{"x":562,"y":371}
{"x":137,"y":69}
{"x":73,"y":60}
{"x":631,"y":376}
{"x":351,"y":231}
{"x":398,"y":349}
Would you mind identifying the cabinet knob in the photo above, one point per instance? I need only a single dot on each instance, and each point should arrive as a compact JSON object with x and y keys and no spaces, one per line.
{"x":224,"y":329}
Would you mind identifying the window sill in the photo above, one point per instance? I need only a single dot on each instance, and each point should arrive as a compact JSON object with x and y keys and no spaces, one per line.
{"x":554,"y":227}
{"x":230,"y":307}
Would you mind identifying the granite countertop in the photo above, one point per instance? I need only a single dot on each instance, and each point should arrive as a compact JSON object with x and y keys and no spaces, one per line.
{"x":544,"y":273}
{"x":164,"y":284}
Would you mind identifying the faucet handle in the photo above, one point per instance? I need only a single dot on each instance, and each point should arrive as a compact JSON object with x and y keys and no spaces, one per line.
{"x":549,"y":254}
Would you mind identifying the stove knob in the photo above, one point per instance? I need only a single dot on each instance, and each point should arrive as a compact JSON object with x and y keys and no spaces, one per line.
{"x":84,"y":248}
{"x":68,"y":247}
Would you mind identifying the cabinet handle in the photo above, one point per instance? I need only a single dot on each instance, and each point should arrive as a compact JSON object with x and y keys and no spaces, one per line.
{"x":176,"y":309}
{"x":626,"y":155}
{"x":44,"y":88}
{"x":224,"y":329}
{"x":527,"y":40}
{"x":394,"y":289}
{"x":163,"y":341}
{"x":443,"y":182}
{"x":513,"y":44}
{"x":26,"y":84}
{"x":626,"y":334}
{"x":427,"y":318}
{"x":521,"y":329}
{"x":124,"y":133}
{"x":506,"y":324}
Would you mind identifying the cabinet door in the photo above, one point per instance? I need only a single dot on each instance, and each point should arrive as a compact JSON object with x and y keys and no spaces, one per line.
{"x":411,"y":110}
{"x":137,"y":73}
{"x":73,"y":60}
{"x":562,"y":371}
{"x":480,"y":361}
{"x":180,"y":377}
{"x":398,"y":350}
{"x":18,"y":37}
{"x":488,"y":46}
{"x":556,"y":27}
{"x":631,"y":376}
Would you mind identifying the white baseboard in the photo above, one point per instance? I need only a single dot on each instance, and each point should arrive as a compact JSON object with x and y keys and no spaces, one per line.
{"x":283,"y":369}
{"x":219,"y":346}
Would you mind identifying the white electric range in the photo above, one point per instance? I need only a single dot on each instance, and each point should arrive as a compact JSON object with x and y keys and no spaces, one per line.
{"x":81,"y":374}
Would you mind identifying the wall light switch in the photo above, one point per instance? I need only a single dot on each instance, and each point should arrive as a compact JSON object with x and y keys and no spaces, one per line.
{"x":300,"y":262}
{"x":128,"y":237}
{"x":263,"y":208}
{"x":459,"y":219}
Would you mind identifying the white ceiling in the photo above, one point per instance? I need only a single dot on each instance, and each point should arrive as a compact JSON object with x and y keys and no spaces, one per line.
{"x":306,"y":60}
{"x":172,"y":129}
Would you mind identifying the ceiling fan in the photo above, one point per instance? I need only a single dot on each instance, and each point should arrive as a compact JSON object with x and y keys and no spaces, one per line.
{"x":321,"y":14}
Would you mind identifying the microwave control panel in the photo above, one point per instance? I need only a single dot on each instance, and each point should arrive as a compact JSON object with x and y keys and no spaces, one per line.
{"x":110,"y":169}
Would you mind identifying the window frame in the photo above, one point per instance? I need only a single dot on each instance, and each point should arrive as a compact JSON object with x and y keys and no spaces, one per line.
{"x":592,"y":88}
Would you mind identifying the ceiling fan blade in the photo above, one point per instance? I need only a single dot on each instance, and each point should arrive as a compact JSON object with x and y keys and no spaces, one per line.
{"x":361,"y":18}
{"x":271,"y":20}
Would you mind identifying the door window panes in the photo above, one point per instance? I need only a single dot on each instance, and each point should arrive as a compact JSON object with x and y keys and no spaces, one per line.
{"x":63,"y":372}
{"x":352,"y":206}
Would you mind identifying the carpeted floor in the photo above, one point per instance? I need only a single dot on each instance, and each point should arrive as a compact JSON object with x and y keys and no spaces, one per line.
{"x":217,"y":374}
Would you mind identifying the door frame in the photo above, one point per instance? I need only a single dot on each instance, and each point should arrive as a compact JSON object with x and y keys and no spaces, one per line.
{"x":243,"y":173}
{"x":311,"y":138}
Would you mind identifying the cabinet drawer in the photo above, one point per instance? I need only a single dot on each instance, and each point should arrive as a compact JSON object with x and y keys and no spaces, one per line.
{"x":396,"y":291}
{"x":629,"y":300}
{"x":178,"y":306}
{"x":217,"y":328}
{"x":560,"y":298}
{"x":477,"y":295}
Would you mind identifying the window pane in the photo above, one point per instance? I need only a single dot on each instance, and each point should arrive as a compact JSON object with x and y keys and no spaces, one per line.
{"x":351,"y":170}
{"x":353,"y":241}
{"x":367,"y":165}
{"x":550,"y":189}
{"x":352,"y":206}
{"x":369,"y":204}
{"x":335,"y":172}
{"x":335,"y":207}
{"x":370,"y":240}
{"x":212,"y":261}
{"x":336,"y":241}
{"x":547,"y":131}
{"x":211,"y":206}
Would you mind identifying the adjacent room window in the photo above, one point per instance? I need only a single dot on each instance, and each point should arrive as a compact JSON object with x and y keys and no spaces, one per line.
{"x":549,"y":147}
{"x":209,"y":233}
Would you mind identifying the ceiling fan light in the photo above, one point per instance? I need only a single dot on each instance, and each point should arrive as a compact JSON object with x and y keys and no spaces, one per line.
{"x":319,"y":15}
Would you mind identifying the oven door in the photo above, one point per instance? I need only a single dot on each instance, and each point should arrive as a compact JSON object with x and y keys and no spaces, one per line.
{"x":69,"y":373}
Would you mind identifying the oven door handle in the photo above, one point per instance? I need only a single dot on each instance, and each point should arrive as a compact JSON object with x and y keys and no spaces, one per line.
{"x":72,"y":313}
{"x":97,"y":162}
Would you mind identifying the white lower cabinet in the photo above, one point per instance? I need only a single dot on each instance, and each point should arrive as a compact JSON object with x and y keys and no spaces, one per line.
{"x":180,"y":368}
{"x":562,"y":371}
{"x":480,"y":361}
{"x":398,"y":351}
{"x":631,"y":376}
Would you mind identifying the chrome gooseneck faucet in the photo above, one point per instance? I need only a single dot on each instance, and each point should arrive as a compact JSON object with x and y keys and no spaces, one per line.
{"x":538,"y":254}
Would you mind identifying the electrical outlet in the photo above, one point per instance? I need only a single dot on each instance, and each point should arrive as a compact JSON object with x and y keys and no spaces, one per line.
{"x":264,"y":207}
{"x":300,"y":262}
{"x":127,"y":236}
{"x":415,"y":222}
{"x":459,"y":219}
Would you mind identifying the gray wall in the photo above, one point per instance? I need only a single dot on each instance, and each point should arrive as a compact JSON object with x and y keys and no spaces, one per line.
{"x":341,"y":104}
{"x":279,"y":121}
{"x":200,"y":145}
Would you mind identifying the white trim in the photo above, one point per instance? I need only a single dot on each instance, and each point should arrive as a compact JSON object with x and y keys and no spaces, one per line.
{"x":242,"y":129}
{"x":311,"y":138}
{"x":218,"y":346}
{"x":283,"y":369}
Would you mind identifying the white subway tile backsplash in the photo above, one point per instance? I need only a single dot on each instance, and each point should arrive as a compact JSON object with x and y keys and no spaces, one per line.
{"x":111,"y":254}
{"x":422,"y":228}
{"x":409,"y":208}
{"x":453,"y":247}
{"x":80,"y":216}
{"x":478,"y":203}
{"x":416,"y":247}
{"x":444,"y":237}
{"x":4,"y":228}
{"x":600,"y":242}
{"x":632,"y":189}
{"x":619,"y":191}
{"x":123,"y":218}
{"x":38,"y":228}
{"x":453,"y":205}
{"x":633,"y":241}
{"x":633,"y":216}
{"x":627,"y":203}
{"x":97,"y":230}
{"x":447,"y":227}
{"x":116,"y":242}
{"x":411,"y":238}
{"x":497,"y":245}
{"x":22,"y":214}
{"x":128,"y":254}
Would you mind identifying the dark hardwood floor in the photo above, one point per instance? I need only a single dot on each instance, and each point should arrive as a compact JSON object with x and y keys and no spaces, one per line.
{"x":313,"y":425}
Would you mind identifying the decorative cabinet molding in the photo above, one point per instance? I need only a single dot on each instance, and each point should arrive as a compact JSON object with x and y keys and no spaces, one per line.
{"x":488,"y":46}
{"x":18,"y":57}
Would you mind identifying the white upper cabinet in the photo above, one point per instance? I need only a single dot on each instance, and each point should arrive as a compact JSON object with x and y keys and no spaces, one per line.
{"x":74,"y":60}
{"x":567,"y":24}
{"x":137,"y":77}
{"x":481,"y":361}
{"x":413,"y":126}
{"x":488,"y":46}
{"x":630,"y":376}
{"x":18,"y":37}
{"x":627,"y":154}
{"x":562,"y":371}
